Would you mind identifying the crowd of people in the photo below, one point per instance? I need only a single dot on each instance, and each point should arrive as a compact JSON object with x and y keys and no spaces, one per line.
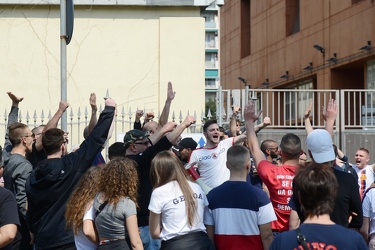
{"x":158,"y":191}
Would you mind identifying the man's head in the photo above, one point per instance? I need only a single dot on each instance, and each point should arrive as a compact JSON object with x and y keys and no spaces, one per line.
{"x":186,"y":147}
{"x":316,"y":187}
{"x":136,"y":141}
{"x":223,"y":134}
{"x":238,"y":160}
{"x":151,"y":127}
{"x":320,"y":145}
{"x":37,"y":131}
{"x":270,"y":148}
{"x":20,"y":136}
{"x":54,"y":141}
{"x":211,"y":132}
{"x":117,"y":149}
{"x":362,"y":157}
{"x":290,"y":147}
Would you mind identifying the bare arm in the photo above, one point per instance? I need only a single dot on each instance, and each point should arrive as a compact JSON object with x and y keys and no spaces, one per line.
{"x":252,"y":139}
{"x":174,"y":136}
{"x":266,"y":122}
{"x":133,"y":231}
{"x":168,"y":127}
{"x":365,"y":228}
{"x":211,"y":232}
{"x":266,"y":235}
{"x":52,"y":123}
{"x":233,"y":121}
{"x":294,"y":221}
{"x":7,"y":234}
{"x":94,"y":109}
{"x":329,"y":115}
{"x":89,"y":231}
{"x":154,"y":224}
{"x":308,"y":126}
{"x":167,"y":106}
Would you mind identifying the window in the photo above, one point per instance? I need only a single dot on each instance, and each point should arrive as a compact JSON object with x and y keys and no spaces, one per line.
{"x":245,"y":28}
{"x":210,"y":83}
{"x":211,"y":60}
{"x":211,"y":39}
{"x":292,"y":17}
{"x":296,"y":102}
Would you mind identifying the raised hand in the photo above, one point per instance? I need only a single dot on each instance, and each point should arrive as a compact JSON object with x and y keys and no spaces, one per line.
{"x":330,"y":113}
{"x":308,"y":111}
{"x":15,"y":99}
{"x":170,"y":94}
{"x":93,"y":101}
{"x":63,"y":106}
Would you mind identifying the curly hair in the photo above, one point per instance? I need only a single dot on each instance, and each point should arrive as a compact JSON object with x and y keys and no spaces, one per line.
{"x":166,"y":167}
{"x":81,"y":198}
{"x":119,"y":179}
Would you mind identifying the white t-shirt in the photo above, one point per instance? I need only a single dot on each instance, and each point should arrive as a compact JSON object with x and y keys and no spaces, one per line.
{"x":212,"y":163}
{"x":365,"y":178}
{"x":168,"y":201}
{"x":368,"y":207}
{"x":81,"y":241}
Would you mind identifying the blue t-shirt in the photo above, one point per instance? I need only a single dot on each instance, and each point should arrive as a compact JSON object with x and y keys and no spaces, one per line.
{"x":320,"y":236}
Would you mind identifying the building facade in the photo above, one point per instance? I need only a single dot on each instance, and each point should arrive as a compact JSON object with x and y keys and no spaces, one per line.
{"x":302,"y":44}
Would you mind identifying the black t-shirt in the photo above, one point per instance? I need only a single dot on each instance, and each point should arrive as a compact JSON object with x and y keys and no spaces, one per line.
{"x":8,"y":211}
{"x":35,"y":156}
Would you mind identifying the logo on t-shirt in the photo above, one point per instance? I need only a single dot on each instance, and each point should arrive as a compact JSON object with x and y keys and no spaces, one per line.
{"x":212,"y":156}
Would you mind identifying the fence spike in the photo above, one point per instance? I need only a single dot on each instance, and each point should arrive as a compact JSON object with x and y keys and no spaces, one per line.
{"x":79,"y":113}
{"x":20,"y":116}
{"x":42,"y":116}
{"x":180,"y":117}
{"x":123,"y":112}
{"x":202,"y":116}
{"x":209,"y":114}
{"x":71,"y":114}
{"x":173,"y":116}
{"x":130,"y":113}
{"x":106,"y":95}
{"x":100,"y":108}
{"x":49,"y":115}
{"x":86,"y":113}
{"x":27,"y":117}
{"x":35,"y":116}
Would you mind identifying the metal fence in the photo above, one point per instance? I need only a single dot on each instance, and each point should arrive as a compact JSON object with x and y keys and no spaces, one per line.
{"x":354,"y":128}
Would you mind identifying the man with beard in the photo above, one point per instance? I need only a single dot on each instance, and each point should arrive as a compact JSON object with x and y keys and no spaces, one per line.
{"x":270,"y":150}
{"x":212,"y":157}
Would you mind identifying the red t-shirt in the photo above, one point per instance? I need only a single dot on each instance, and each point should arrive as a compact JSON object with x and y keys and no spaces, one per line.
{"x":278,"y":180}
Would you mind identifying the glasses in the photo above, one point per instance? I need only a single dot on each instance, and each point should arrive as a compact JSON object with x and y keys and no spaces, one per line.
{"x":142,"y":143}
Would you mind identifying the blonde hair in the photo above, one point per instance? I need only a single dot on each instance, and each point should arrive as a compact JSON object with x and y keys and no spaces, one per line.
{"x":166,"y":167}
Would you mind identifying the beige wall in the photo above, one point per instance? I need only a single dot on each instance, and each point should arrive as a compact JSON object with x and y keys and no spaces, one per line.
{"x":131,"y":51}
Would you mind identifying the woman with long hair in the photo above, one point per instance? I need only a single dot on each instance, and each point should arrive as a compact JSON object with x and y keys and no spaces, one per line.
{"x":115,"y":205}
{"x":79,"y":213}
{"x":176,"y":206}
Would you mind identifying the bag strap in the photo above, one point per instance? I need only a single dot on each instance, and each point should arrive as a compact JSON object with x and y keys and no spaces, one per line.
{"x":302,"y":239}
{"x":101,"y":208}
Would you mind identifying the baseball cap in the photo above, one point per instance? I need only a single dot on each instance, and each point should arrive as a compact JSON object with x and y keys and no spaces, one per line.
{"x":133,"y":135}
{"x":187,"y":142}
{"x":320,"y":144}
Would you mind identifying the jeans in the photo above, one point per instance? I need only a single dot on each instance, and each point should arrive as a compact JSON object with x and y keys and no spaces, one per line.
{"x":148,"y":242}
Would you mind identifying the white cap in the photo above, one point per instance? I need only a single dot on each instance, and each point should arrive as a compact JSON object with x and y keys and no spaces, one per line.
{"x":320,"y":144}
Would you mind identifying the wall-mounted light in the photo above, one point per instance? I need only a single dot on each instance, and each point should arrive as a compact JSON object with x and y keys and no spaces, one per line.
{"x":309,"y":67}
{"x":319,"y":48}
{"x":242,"y":80}
{"x":333,"y":59}
{"x":286,"y":75}
{"x":266,"y":82}
{"x":366,"y":47}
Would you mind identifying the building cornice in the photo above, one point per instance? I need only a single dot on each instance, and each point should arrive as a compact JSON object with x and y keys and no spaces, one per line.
{"x":170,"y":3}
